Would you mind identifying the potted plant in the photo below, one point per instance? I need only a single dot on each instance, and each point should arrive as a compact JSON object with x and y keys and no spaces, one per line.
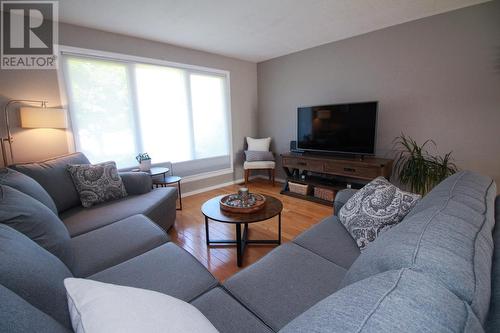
{"x":144,"y":161}
{"x":417,"y":168}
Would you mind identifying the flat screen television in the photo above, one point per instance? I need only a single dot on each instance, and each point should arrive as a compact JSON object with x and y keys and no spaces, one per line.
{"x":340,"y":128}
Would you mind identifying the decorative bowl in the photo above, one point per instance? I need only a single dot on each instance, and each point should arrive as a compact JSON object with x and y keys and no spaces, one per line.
{"x":233,"y":203}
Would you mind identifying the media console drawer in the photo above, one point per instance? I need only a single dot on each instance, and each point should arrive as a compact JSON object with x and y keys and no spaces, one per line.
{"x":365,"y":169}
{"x":346,"y":169}
{"x":303,"y":164}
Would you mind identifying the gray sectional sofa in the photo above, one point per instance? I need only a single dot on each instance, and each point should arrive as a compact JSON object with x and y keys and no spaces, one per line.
{"x":437,"y":271}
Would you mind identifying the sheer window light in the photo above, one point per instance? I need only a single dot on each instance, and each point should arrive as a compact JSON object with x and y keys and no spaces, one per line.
{"x":119,"y":108}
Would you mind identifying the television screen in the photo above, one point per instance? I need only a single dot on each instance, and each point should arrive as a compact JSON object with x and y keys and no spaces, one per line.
{"x":341,"y":128}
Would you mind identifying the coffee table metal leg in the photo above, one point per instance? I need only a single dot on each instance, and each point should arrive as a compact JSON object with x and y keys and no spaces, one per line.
{"x":244,"y":239}
{"x":245,"y":233}
{"x":279,"y":228}
{"x":238,"y":244}
{"x":206,"y":230}
{"x":180,"y":195}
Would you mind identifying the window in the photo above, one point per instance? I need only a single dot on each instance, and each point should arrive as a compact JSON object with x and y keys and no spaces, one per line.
{"x":119,"y":108}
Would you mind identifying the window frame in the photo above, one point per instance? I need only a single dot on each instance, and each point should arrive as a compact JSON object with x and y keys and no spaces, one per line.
{"x":131,"y":60}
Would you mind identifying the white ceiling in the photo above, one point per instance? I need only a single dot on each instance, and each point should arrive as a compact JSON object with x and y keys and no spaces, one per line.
{"x":254,"y":30}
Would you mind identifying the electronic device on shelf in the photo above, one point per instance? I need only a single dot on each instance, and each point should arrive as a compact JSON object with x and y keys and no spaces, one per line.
{"x":294,"y":149}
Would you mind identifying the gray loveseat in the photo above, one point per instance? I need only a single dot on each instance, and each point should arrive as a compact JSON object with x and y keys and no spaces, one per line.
{"x":437,"y":271}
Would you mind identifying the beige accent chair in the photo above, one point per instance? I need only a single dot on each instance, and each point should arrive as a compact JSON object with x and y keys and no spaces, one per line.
{"x":259,"y":145}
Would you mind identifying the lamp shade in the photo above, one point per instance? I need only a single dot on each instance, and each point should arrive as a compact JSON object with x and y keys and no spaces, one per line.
{"x":43,"y":118}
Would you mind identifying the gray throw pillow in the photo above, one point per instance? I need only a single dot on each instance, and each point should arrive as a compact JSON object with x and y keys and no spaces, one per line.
{"x":374,"y":209}
{"x":27,"y":185}
{"x":97,"y":183}
{"x":255,"y":155}
{"x":33,"y":219}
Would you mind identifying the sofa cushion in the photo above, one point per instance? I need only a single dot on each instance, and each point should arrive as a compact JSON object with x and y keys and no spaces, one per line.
{"x":28,"y":186}
{"x":393,"y":301}
{"x":115,"y":243}
{"x":493,"y":321}
{"x":255,"y":156}
{"x":55,"y":178}
{"x":376,"y":208}
{"x":18,"y":316}
{"x":227,"y":315}
{"x":167,"y":269}
{"x":330,"y":239}
{"x":158,"y":205}
{"x":34,"y":274}
{"x":136,"y":182}
{"x":259,"y":165}
{"x":35,"y":220}
{"x":96,"y":183}
{"x":285,"y":283}
{"x":448,"y":237}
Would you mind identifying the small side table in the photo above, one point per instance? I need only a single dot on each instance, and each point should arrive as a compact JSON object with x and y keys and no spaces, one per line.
{"x":165,"y":180}
{"x":156,"y":171}
{"x":169,"y":180}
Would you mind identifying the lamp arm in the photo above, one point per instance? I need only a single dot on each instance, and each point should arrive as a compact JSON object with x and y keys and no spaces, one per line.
{"x":7,"y":126}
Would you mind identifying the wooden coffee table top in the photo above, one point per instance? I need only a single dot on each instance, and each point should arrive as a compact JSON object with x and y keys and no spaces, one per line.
{"x":211,"y":209}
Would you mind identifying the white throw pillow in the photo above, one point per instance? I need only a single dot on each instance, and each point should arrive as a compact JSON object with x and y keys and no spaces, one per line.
{"x":258,"y":144}
{"x":102,"y":307}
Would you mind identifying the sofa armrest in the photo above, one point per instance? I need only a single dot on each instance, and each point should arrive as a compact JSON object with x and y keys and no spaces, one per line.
{"x":341,"y":198}
{"x":137,"y":182}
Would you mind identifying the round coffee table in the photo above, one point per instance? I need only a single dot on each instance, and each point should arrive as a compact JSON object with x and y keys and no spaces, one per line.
{"x":211,"y":210}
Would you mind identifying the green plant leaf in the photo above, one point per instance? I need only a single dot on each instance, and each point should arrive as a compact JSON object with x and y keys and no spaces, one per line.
{"x":418,"y":169}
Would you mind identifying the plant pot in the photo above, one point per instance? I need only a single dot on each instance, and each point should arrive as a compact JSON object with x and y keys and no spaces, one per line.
{"x":145,"y":165}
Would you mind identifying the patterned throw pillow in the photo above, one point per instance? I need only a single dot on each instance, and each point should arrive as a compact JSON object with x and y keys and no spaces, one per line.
{"x":374,"y":209}
{"x":97,"y":183}
{"x":254,"y":156}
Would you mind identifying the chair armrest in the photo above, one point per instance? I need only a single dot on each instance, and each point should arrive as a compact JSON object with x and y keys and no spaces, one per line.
{"x":136,"y":182}
{"x":341,"y":198}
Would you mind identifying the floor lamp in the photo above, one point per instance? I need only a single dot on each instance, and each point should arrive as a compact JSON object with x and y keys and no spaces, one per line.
{"x":31,"y":117}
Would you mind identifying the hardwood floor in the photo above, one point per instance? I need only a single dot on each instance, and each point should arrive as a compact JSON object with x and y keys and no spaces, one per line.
{"x":189,"y":229}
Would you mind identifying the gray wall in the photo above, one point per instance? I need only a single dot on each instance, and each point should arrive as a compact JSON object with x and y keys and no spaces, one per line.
{"x":437,"y":77}
{"x":37,"y":144}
